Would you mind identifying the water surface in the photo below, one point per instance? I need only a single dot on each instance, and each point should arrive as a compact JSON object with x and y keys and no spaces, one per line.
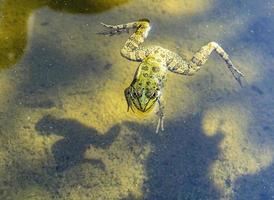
{"x":64,"y":129}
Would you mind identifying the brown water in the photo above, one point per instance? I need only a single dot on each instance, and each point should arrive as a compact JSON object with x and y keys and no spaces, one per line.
{"x":64,"y":129}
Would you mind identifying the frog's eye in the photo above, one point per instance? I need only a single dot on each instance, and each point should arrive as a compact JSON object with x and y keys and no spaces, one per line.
{"x":154,"y":95}
{"x":127,"y":92}
{"x":128,"y":98}
{"x":134,"y":94}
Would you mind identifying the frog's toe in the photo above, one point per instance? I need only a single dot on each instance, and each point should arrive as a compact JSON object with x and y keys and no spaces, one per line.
{"x":112,"y":30}
{"x":238,"y":75}
{"x":107,"y":25}
{"x":106,"y":33}
{"x":160,"y":125}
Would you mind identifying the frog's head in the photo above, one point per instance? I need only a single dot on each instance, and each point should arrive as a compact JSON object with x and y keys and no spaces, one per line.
{"x":141,"y":98}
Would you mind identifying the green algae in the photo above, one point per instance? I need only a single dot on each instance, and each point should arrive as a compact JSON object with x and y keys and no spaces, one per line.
{"x":15,"y":16}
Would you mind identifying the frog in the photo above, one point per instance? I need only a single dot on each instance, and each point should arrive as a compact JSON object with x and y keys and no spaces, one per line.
{"x":146,"y":88}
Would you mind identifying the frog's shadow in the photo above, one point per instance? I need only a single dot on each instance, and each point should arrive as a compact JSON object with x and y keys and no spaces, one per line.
{"x":179,"y":167}
{"x":77,"y":138}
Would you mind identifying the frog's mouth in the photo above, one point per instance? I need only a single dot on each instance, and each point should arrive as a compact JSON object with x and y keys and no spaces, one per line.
{"x":134,"y":103}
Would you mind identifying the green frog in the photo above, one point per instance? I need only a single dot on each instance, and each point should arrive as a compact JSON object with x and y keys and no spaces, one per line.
{"x":146,"y":88}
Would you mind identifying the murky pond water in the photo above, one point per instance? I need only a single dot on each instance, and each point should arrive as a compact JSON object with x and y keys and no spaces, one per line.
{"x":65,"y":132}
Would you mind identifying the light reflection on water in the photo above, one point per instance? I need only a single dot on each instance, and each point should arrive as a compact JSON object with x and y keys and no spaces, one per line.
{"x":65,"y":132}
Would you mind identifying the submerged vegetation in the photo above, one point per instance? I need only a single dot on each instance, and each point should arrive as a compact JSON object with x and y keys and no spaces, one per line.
{"x":15,"y":21}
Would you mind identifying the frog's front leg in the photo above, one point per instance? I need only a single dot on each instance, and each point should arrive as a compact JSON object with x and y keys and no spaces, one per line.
{"x":160,"y":115}
{"x":200,"y":57}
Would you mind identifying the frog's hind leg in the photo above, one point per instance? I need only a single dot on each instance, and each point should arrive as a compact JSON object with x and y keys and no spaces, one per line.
{"x":132,"y":50}
{"x":180,"y":65}
{"x":201,"y":56}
